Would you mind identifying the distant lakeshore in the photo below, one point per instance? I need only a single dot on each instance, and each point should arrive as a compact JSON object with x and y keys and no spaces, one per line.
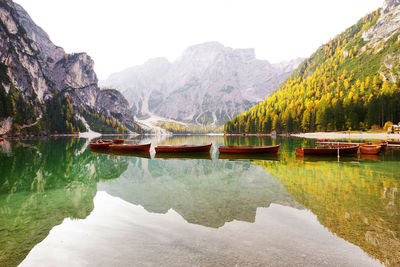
{"x":313,"y":135}
{"x":347,"y":135}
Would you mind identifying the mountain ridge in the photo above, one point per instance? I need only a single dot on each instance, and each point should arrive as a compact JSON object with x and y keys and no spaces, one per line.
{"x":208,"y":84}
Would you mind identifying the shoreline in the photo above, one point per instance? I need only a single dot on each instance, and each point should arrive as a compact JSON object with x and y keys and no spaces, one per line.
{"x":344,"y":135}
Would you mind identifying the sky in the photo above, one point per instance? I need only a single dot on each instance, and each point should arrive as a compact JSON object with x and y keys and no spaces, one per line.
{"x":119,"y":34}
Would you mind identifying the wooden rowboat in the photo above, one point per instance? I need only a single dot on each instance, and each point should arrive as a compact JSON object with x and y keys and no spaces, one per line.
{"x":249,"y":149}
{"x":118,"y":141}
{"x":1,"y":139}
{"x":130,"y":147}
{"x":393,"y":142}
{"x":372,"y":149}
{"x":100,"y":144}
{"x":183,"y":149}
{"x":333,"y":150}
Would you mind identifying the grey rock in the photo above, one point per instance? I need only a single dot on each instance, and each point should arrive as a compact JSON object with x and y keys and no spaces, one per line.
{"x":208,"y":84}
{"x":115,"y":105}
{"x":387,"y":24}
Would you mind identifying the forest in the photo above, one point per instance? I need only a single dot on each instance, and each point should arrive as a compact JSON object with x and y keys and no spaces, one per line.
{"x":342,"y":86}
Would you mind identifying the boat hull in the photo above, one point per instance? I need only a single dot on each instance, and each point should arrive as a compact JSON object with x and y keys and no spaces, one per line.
{"x":183,"y":156}
{"x":393,"y":142}
{"x":130,"y":148}
{"x":249,"y":149}
{"x":326,"y":151}
{"x":1,"y":139}
{"x":370,"y":149}
{"x":104,"y":145}
{"x":183,"y":149}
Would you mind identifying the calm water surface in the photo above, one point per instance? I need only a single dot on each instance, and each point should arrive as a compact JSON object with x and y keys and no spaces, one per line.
{"x":62,"y":205}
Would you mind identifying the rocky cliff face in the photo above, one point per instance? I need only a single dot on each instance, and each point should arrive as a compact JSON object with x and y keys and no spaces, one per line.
{"x":208,"y":84}
{"x":39,"y":80}
{"x":115,"y":105}
{"x":378,"y":36}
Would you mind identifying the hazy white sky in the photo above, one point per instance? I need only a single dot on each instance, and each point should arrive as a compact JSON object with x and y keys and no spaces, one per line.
{"x":121,"y":33}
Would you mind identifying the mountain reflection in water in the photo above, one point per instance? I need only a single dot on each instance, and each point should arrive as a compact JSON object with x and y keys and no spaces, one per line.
{"x":42,"y":182}
{"x":209,"y":193}
{"x":357,"y":199}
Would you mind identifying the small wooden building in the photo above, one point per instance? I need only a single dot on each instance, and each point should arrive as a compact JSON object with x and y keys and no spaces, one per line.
{"x":394,"y":129}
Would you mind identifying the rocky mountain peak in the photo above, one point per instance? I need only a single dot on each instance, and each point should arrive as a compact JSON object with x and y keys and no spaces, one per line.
{"x":208,"y":84}
{"x":209,"y":51}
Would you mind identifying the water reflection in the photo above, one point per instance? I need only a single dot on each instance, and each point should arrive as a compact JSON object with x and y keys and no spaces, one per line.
{"x":118,"y":233}
{"x":357,"y":198}
{"x":41,"y":183}
{"x":205,"y":192}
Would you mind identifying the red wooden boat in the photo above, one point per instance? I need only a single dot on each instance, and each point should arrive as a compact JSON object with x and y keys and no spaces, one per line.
{"x":1,"y":139}
{"x":118,"y":141}
{"x":183,"y":149}
{"x":130,"y":147}
{"x":333,"y":150}
{"x":249,"y":149}
{"x":100,"y":144}
{"x":183,"y":156}
{"x":372,"y":149}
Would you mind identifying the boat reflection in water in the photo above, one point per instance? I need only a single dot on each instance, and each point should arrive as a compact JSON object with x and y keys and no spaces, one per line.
{"x":183,"y":155}
{"x":328,"y":158}
{"x":274,"y":157}
{"x":370,"y":157}
{"x":137,"y":154}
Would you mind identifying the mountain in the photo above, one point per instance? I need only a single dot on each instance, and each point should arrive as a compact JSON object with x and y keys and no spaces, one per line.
{"x":208,"y":84}
{"x":349,"y":83}
{"x":45,"y":90}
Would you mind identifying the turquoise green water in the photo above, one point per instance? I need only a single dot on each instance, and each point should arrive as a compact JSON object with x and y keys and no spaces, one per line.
{"x":271,"y":210}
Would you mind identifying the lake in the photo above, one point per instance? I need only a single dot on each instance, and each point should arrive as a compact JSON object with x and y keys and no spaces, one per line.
{"x":63,"y":205}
